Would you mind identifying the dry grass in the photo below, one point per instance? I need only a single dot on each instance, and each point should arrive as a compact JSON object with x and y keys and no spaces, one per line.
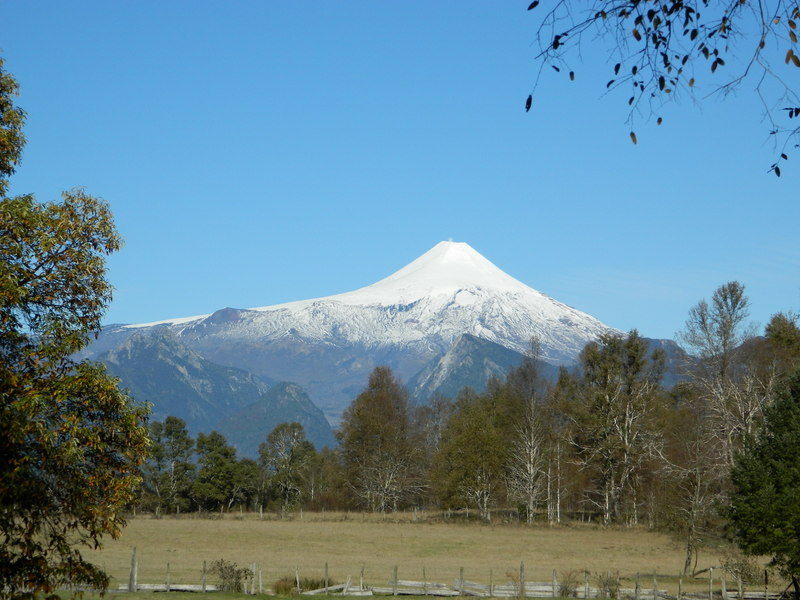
{"x":349,"y":543}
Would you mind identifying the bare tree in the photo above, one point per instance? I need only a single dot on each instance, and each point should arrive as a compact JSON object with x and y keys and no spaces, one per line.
{"x":665,"y":49}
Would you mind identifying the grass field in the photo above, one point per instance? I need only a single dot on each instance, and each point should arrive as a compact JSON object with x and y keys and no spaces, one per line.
{"x":348,"y":543}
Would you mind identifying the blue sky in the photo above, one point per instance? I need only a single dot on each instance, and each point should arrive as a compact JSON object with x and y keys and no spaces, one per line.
{"x":261,"y":152}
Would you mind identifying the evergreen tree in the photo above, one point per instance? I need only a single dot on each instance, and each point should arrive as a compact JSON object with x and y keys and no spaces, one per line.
{"x":764,"y":510}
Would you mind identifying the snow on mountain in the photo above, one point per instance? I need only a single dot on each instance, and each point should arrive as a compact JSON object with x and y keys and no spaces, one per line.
{"x":428,"y":304}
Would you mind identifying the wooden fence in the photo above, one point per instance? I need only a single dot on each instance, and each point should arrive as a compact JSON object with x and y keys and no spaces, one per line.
{"x":570,"y":584}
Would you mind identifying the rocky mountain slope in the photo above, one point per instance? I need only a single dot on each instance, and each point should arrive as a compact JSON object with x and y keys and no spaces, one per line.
{"x":407,"y":320}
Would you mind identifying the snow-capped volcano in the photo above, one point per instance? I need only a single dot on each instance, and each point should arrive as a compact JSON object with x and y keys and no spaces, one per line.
{"x":448,"y":291}
{"x":412,"y":317}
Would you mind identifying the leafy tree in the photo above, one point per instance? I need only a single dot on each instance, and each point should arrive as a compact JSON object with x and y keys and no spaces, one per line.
{"x":764,"y":510}
{"x":70,"y":441}
{"x":217,"y":481}
{"x":287,"y":455}
{"x":663,"y":50}
{"x":170,"y":471}
{"x":615,"y":429}
{"x":379,"y":454}
{"x":470,"y":468}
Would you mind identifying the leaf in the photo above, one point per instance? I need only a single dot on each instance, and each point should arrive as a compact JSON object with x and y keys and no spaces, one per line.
{"x":661,"y":82}
{"x":784,"y":156}
{"x":789,"y":54}
{"x":793,"y":36}
{"x":572,"y":75}
{"x":714,"y":66}
{"x":633,"y":137}
{"x":795,"y":60}
{"x":693,"y":35}
{"x":528,"y":103}
{"x":630,"y":100}
{"x":556,"y":42}
{"x":637,"y":35}
{"x":778,"y":171}
{"x":533,"y":4}
{"x":556,"y":69}
{"x":691,"y":82}
{"x":609,"y":84}
{"x":616,"y":68}
{"x":659,"y":121}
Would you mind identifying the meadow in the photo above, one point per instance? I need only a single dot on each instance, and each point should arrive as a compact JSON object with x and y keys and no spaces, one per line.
{"x":352,"y":542}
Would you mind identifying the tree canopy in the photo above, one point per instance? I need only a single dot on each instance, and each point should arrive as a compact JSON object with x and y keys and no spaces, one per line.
{"x":70,"y":441}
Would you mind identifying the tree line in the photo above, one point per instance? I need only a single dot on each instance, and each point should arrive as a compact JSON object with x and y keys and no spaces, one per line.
{"x":606,"y":442}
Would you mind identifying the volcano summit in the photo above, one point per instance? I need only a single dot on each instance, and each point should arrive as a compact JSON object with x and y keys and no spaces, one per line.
{"x":406,"y":321}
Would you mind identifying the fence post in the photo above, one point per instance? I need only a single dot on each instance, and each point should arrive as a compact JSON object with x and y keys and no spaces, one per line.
{"x":636,"y":590}
{"x":655,"y":588}
{"x":424,"y":583}
{"x":710,"y":583}
{"x":724,"y":589}
{"x":167,"y":576}
{"x":394,"y":582}
{"x":586,"y":583}
{"x":461,"y":581}
{"x":766,"y":585}
{"x":739,"y":587}
{"x":326,"y":578}
{"x":555,"y":584}
{"x":680,"y":585}
{"x":134,"y":574}
{"x":204,"y":577}
{"x":491,"y":594}
{"x":361,"y":581}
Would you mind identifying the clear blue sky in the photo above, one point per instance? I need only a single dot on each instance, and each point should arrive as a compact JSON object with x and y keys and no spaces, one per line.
{"x":258,"y":152}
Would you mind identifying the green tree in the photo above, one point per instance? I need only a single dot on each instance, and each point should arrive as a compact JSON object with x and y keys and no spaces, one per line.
{"x":170,"y":471}
{"x":217,"y":482}
{"x":70,"y":441}
{"x":661,"y":51}
{"x":470,"y":467}
{"x":380,"y":456}
{"x":614,"y":417}
{"x":287,"y":456}
{"x":764,"y":509}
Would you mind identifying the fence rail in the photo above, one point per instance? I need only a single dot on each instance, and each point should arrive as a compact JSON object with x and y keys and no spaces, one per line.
{"x":567,"y":587}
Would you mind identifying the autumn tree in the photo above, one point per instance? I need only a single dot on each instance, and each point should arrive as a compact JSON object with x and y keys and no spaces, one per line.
{"x":70,"y":441}
{"x":381,"y":458}
{"x":661,"y":51}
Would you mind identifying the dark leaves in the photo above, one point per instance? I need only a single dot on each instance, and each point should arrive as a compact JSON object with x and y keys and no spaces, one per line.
{"x":528,"y":103}
{"x":533,"y":4}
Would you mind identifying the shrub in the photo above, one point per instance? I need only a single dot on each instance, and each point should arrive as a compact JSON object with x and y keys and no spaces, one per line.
{"x":741,"y":567}
{"x":568,"y":584}
{"x":608,"y":585}
{"x":231,"y":577}
{"x":287,"y":586}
